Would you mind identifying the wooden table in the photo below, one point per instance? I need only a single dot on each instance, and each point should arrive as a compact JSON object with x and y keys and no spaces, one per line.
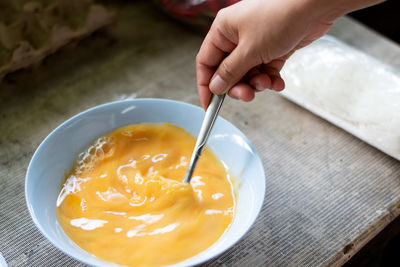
{"x":327,"y":195}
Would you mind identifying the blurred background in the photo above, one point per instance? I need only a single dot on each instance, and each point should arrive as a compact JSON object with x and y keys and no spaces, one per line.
{"x":31,"y":30}
{"x":383,"y":18}
{"x":383,"y":250}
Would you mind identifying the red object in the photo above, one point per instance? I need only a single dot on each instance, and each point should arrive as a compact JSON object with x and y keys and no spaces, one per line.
{"x":199,"y":13}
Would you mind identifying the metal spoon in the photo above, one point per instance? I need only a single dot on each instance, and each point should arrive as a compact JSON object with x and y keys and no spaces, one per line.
{"x":205,"y":130}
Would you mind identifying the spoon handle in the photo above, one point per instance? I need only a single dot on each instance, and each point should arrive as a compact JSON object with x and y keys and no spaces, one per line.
{"x":205,"y":130}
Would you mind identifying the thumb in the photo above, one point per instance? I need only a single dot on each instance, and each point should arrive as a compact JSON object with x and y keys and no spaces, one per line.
{"x":231,"y":70}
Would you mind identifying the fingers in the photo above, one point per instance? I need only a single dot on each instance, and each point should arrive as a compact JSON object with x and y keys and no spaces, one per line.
{"x":242,"y":91}
{"x":273,"y":69}
{"x":231,"y":70}
{"x":276,"y":64}
{"x":277,"y":83}
{"x":217,"y":73}
{"x":267,"y":76}
{"x":260,"y":82}
{"x":210,"y":55}
{"x":257,"y":79}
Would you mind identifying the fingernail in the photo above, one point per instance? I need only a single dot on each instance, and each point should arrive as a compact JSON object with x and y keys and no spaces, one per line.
{"x":258,"y":87}
{"x":217,"y":85}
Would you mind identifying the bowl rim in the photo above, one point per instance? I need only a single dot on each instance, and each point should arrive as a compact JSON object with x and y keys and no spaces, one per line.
{"x":101,"y":106}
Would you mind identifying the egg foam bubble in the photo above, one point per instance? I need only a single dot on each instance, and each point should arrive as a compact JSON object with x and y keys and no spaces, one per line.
{"x":124,"y":200}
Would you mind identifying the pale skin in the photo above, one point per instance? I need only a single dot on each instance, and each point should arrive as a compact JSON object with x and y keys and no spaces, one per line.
{"x":249,"y":42}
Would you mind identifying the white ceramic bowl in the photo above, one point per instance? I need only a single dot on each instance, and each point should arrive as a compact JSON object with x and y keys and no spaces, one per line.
{"x":56,"y":154}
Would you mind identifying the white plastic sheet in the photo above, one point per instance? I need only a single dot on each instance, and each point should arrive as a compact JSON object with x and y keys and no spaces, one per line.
{"x":348,"y":88}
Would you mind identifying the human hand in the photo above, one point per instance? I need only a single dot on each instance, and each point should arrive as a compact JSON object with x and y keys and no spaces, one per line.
{"x":249,"y":42}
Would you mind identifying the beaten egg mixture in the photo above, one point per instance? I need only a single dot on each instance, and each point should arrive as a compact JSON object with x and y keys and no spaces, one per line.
{"x":125,"y":202}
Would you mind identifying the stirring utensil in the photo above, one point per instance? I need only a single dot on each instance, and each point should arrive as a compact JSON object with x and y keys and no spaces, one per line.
{"x":205,"y":130}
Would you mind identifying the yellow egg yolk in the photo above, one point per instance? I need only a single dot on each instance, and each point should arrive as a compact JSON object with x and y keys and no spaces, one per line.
{"x":124,"y":200}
